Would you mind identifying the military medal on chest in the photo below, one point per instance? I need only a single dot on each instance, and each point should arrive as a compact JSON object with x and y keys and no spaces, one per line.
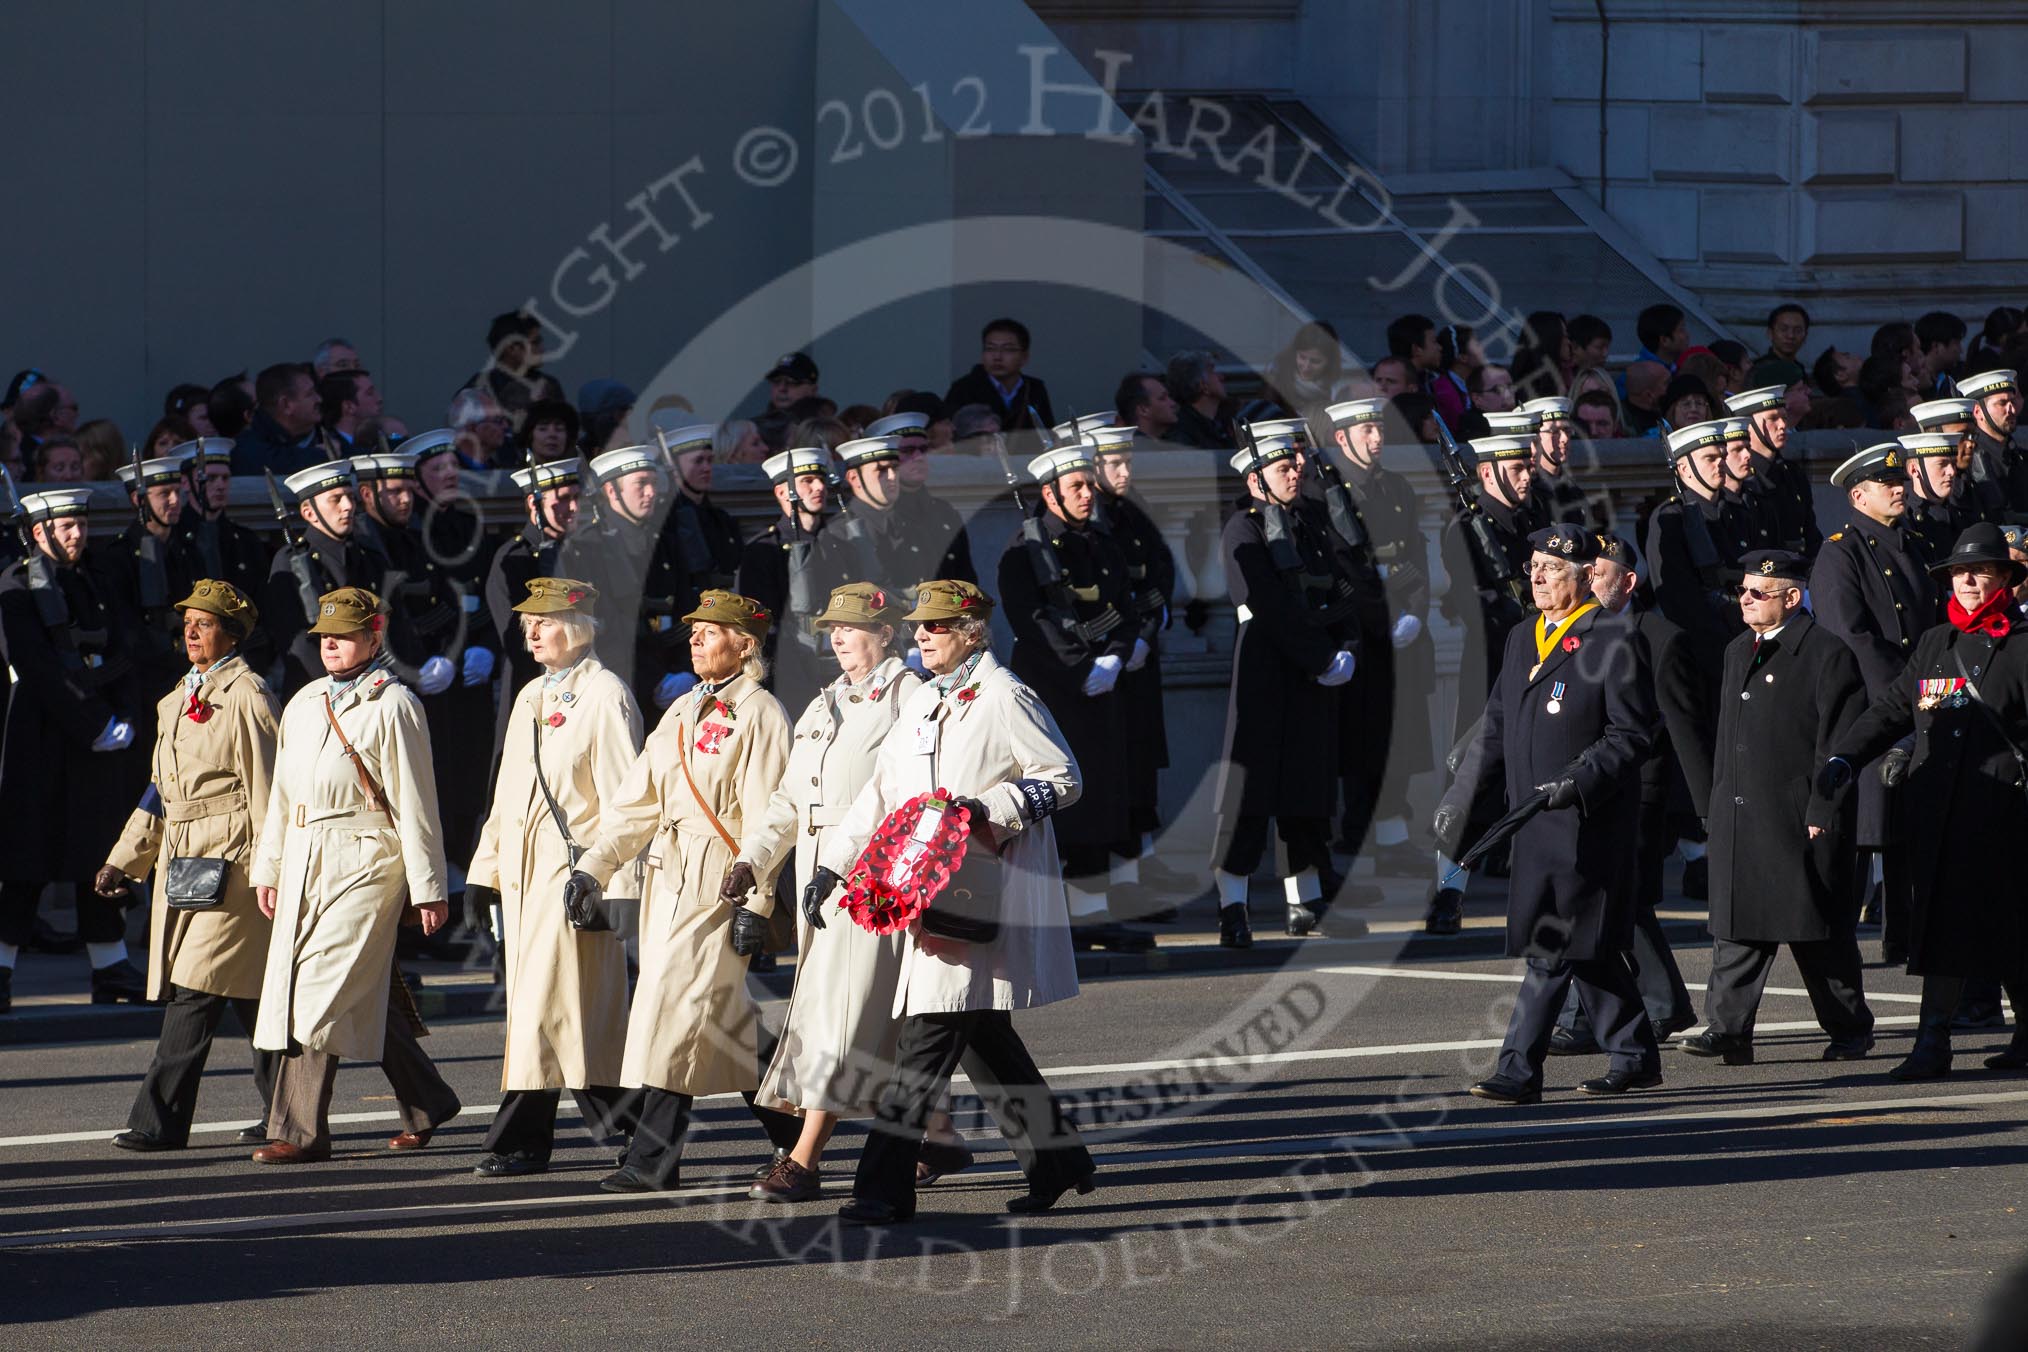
{"x":1555,"y":705}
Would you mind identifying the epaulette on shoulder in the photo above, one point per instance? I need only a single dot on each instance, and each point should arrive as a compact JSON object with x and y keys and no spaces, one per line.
{"x":1834,"y":535}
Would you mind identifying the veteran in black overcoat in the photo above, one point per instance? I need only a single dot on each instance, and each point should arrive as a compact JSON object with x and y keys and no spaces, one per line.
{"x":1783,"y":869}
{"x":1573,"y":717}
{"x":1964,"y":696}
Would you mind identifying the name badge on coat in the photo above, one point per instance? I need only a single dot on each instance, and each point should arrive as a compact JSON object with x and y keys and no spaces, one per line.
{"x":923,"y":739}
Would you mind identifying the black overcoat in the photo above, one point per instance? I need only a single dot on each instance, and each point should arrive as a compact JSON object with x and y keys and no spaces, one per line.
{"x":779,"y":568}
{"x":1782,"y":709}
{"x":1151,"y":576}
{"x":1572,"y":889}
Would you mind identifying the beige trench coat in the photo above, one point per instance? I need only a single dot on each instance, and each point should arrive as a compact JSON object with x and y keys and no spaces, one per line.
{"x":342,"y":871}
{"x":212,"y":778}
{"x":691,"y":1029}
{"x":566,"y":988}
{"x":837,"y":1045}
{"x":1001,"y":747}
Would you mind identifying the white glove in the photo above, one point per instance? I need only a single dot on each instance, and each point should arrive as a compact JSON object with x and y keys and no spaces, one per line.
{"x":1339,"y":672}
{"x":673,"y":687}
{"x":1406,"y":630}
{"x":914,"y":663}
{"x":1105,"y":674}
{"x":1140,"y":657}
{"x":478,"y":666}
{"x":435,"y":676}
{"x":117,"y":736}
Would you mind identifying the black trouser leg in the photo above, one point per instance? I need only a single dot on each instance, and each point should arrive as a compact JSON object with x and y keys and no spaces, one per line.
{"x":604,"y":1110}
{"x":1543,"y":985}
{"x":18,"y":903}
{"x":1897,"y":895}
{"x":168,"y":1097}
{"x":1302,"y":842}
{"x":925,"y":1056}
{"x":1240,"y":844}
{"x":1831,"y":974}
{"x":1086,"y":861}
{"x":424,"y":1100}
{"x":1049,"y":1147}
{"x":783,"y":1129}
{"x":1940,"y":997}
{"x":661,"y":1122}
{"x":525,"y":1125}
{"x":1739,"y":971}
{"x":1663,"y":993}
{"x":1612,"y":1001}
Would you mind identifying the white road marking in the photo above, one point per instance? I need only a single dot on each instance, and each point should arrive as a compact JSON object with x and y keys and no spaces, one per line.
{"x":1511,"y":978}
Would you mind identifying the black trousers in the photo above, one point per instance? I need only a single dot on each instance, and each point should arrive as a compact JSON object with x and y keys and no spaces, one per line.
{"x":659,"y":1120}
{"x":1831,"y":974}
{"x":1049,"y":1148}
{"x":525,"y":1125}
{"x":168,"y":1098}
{"x":99,"y":921}
{"x":1096,"y":861}
{"x":1605,"y":987}
{"x":1897,"y":895}
{"x":1303,"y":842}
{"x":1656,"y":976}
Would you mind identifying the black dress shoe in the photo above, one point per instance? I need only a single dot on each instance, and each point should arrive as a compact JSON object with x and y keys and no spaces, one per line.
{"x":1668,"y":1028}
{"x":1506,"y":1091}
{"x":1111,"y":936}
{"x":512,"y":1165}
{"x":1734,"y":1049}
{"x":118,"y":981}
{"x":1852,"y":1049}
{"x":862,"y":1212}
{"x":1563,"y":1042}
{"x":1979,"y":1014}
{"x":143,"y":1141}
{"x":2014,"y":1058}
{"x":1620,"y":1081}
{"x":1300,"y":918}
{"x":1446,"y":912}
{"x":1041,"y":1199}
{"x":1923,"y":1063}
{"x":1234,"y":929}
{"x":257,"y":1134}
{"x":629,"y":1179}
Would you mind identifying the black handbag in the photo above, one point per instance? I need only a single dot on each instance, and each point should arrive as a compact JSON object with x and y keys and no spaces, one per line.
{"x":194,"y":883}
{"x":600,"y":914}
{"x":967,"y":908}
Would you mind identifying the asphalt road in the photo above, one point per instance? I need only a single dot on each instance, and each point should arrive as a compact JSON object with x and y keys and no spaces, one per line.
{"x":1287,"y":1159}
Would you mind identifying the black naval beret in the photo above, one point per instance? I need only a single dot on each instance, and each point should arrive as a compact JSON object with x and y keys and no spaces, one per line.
{"x":1565,"y":541}
{"x":1781,"y":563}
{"x":1619,"y":549}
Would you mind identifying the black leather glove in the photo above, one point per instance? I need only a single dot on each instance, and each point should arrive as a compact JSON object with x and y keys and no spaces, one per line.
{"x":823,"y":882}
{"x":1447,"y":827}
{"x":1562,"y":792}
{"x":1834,"y":775}
{"x":975,"y":808}
{"x":738,"y":882}
{"x":1894,"y":767}
{"x":480,"y":900}
{"x":578,"y":895}
{"x":749,"y":931}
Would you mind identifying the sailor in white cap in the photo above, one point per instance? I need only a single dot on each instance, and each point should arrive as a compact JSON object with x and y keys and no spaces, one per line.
{"x":1752,"y":512}
{"x":878,"y":538}
{"x":320,"y":553}
{"x":779,"y":569}
{"x":621,"y":548}
{"x":1996,"y":413}
{"x":147,"y":570}
{"x":1557,"y":492}
{"x":919,"y":513}
{"x":1296,"y":633}
{"x":74,"y":695}
{"x":1977,"y":499}
{"x":708,"y":540}
{"x":1934,"y":519}
{"x":1695,"y":538}
{"x":1782,"y":485}
{"x":1064,"y":590}
{"x":552,"y":491}
{"x":1868,"y":587}
{"x":1081,"y":424}
{"x":224,"y":549}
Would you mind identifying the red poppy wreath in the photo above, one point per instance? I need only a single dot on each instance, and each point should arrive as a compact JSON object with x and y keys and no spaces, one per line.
{"x":906,"y":863}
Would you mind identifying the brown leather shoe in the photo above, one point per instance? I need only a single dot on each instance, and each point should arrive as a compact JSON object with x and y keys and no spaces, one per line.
{"x":411,"y":1140}
{"x":282,"y":1152}
{"x":790,"y":1182}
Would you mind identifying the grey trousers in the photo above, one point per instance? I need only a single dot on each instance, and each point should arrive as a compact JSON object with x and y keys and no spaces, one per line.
{"x":301,"y":1112}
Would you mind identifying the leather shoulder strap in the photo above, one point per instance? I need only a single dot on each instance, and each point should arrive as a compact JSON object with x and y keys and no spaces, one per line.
{"x":555,"y":812}
{"x":367,"y":782}
{"x":683,"y":759}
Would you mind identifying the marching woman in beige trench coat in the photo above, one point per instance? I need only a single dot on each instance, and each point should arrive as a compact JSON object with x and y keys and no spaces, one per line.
{"x":566,"y":987}
{"x":350,"y":840}
{"x":700,"y":783}
{"x":975,"y":731}
{"x":837,"y":1044}
{"x":214,"y":751}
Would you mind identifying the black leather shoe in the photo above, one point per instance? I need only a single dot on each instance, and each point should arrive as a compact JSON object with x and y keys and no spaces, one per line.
{"x":1446,"y":912}
{"x":1735,"y":1050}
{"x":2014,"y":1058}
{"x":1620,"y":1081}
{"x":1041,"y":1199}
{"x":1979,"y":1014}
{"x":934,"y":1159}
{"x":1926,"y":1062}
{"x":1506,"y":1091}
{"x":1894,"y":954}
{"x":629,"y":1179}
{"x":257,"y":1134}
{"x":1854,"y":1049}
{"x":1111,"y":936}
{"x":118,"y":981}
{"x":1234,"y":929}
{"x":1563,"y":1042}
{"x":861,"y":1212}
{"x":1668,"y":1028}
{"x":142,"y":1141}
{"x":510,"y":1166}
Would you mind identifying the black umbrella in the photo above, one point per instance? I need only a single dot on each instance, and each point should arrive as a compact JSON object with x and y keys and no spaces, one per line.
{"x":1501,"y":831}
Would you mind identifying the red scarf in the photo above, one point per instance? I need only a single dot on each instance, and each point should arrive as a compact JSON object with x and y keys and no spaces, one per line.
{"x":1992,"y":619}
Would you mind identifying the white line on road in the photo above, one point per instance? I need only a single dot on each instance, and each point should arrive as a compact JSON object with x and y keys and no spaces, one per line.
{"x":1513,"y":978}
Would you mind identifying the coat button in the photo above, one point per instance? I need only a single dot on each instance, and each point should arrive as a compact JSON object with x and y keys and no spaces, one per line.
{"x":1746,"y":694}
{"x":813,"y":781}
{"x":1739,"y":802}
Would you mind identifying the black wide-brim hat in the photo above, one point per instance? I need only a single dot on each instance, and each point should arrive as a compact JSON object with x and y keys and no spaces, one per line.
{"x":1981,"y":543}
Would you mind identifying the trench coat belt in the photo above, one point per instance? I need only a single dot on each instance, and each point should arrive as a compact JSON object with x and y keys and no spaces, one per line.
{"x":826,"y":814}
{"x":702,"y":829}
{"x":197,"y":809}
{"x":364,"y":818}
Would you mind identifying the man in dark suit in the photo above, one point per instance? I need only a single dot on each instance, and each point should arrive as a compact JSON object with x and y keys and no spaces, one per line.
{"x":1781,"y":851}
{"x":1000,"y":383}
{"x":1869,"y":588}
{"x":1568,"y":725}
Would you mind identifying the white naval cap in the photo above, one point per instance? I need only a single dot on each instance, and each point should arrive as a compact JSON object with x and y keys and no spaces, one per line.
{"x":1736,"y":429}
{"x":1078,"y":426}
{"x":1987,"y":382}
{"x":1550,"y":408}
{"x":1514,"y":422}
{"x":1880,"y":462}
{"x":676,"y":440}
{"x":1489,"y":449}
{"x":1694,"y":436}
{"x":1934,"y":413}
{"x":383,"y":465}
{"x":1356,"y":411}
{"x":166,"y":469}
{"x":544,"y":475}
{"x":785,"y":466}
{"x":866,"y":450}
{"x":1110,"y":440}
{"x":898,"y":425}
{"x":1757,"y":400}
{"x":610,"y":465}
{"x":1298,"y":428}
{"x":308,"y":483}
{"x":1927,"y":445}
{"x":53,"y":503}
{"x":203,"y":451}
{"x":423,"y":445}
{"x":1265,"y":451}
{"x":1050,"y":466}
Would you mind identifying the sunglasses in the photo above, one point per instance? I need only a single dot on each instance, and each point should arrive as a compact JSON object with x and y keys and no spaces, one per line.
{"x":1756,"y":594}
{"x":933,"y":626}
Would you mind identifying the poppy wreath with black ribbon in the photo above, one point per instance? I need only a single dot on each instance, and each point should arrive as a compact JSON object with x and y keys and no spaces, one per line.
{"x":875,"y":899}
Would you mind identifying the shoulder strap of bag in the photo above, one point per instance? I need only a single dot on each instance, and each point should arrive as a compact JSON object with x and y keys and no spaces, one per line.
{"x":2020,"y":758}
{"x":555,"y":812}
{"x":367,"y":782}
{"x":683,"y":759}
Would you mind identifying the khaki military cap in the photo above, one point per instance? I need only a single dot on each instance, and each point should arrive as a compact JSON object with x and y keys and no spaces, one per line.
{"x":949,"y":600}
{"x":731,"y":610}
{"x":349,"y":610}
{"x":224,"y":600}
{"x":555,"y":595}
{"x":856,"y":603}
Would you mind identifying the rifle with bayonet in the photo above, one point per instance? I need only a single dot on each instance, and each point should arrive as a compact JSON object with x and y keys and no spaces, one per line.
{"x":1491,"y":556}
{"x":1059,"y":603}
{"x":1327,"y":597}
{"x":296,"y":548}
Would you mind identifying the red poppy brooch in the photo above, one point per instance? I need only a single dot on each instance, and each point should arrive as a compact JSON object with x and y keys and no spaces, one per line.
{"x":555,"y":720}
{"x":1570,"y":644}
{"x":198,"y":711}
